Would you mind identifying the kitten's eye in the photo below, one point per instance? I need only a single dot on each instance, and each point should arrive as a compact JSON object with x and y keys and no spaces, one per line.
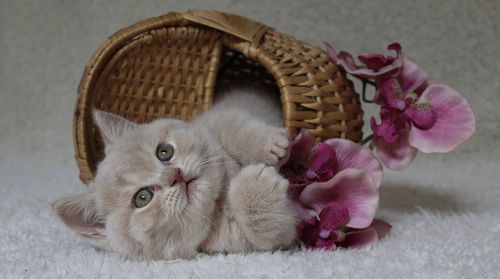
{"x":143,"y":197}
{"x":164,"y":152}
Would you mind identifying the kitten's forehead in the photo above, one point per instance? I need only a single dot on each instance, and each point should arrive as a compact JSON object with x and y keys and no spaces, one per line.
{"x":148,"y":136}
{"x":160,"y":128}
{"x":175,"y":132}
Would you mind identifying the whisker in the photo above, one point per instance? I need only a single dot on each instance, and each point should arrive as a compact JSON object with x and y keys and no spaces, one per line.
{"x":221,"y":156}
{"x":221,"y":164}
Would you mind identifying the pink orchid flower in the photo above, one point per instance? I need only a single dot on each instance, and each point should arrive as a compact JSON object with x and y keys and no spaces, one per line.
{"x":380,"y":67}
{"x":437,"y":121}
{"x":328,"y":230}
{"x":376,"y":65}
{"x":308,"y":162}
{"x":336,"y":190}
{"x":334,"y":209}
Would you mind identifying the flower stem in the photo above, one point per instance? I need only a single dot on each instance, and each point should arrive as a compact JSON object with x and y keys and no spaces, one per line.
{"x":366,"y":140}
{"x":364,"y":92}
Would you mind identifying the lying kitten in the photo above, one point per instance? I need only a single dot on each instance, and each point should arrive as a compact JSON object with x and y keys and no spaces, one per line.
{"x":170,"y":189}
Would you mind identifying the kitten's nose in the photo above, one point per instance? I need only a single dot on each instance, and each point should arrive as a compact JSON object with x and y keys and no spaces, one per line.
{"x":178,"y":177}
{"x":170,"y":176}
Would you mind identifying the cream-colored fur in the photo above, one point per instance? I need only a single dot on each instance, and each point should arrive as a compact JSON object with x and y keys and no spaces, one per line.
{"x":239,"y":202}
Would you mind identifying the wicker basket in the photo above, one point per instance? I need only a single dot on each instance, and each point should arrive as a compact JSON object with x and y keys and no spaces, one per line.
{"x":168,"y":66}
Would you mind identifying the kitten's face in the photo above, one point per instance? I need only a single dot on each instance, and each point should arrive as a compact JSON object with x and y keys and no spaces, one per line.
{"x":154,"y":204}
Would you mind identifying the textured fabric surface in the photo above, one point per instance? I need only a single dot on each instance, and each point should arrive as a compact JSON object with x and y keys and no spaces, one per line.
{"x":445,"y":209}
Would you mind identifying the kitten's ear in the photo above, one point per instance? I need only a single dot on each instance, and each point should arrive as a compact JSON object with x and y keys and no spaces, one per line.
{"x":80,"y":214}
{"x":112,"y":126}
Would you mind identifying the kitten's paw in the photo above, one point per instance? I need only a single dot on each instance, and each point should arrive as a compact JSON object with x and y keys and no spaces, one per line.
{"x":259,"y":200}
{"x":276,"y":146}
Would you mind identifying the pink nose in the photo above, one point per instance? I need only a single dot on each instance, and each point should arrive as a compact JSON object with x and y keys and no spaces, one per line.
{"x":178,"y":177}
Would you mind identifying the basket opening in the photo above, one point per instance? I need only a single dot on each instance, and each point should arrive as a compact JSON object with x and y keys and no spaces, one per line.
{"x":236,"y":70}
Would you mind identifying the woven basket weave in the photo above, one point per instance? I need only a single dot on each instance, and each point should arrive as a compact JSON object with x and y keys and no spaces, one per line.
{"x":168,"y":66}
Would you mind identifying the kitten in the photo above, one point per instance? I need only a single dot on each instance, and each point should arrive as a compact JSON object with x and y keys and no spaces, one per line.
{"x":170,"y":189}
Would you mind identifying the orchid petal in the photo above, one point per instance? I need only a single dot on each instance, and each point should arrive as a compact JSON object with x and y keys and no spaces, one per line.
{"x":422,"y":115}
{"x":294,"y":190}
{"x":375,"y":61}
{"x":323,"y":162}
{"x":455,"y":121}
{"x":333,"y":215}
{"x":301,"y":145}
{"x":387,"y":129}
{"x":298,"y":154}
{"x":305,"y":213}
{"x":397,"y":155}
{"x":346,"y":61}
{"x":326,"y":244}
{"x":353,"y":188}
{"x":391,"y":92}
{"x":308,"y":231}
{"x":382,"y":227}
{"x":353,"y":155}
{"x":411,"y":76}
{"x":343,"y":59}
{"x":395,"y":63}
{"x":361,"y":238}
{"x":368,"y":236}
{"x":396,"y":47}
{"x":284,"y":160}
{"x":370,"y":74}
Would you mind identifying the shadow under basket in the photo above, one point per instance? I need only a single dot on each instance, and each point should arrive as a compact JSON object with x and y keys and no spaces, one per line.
{"x":169,"y":66}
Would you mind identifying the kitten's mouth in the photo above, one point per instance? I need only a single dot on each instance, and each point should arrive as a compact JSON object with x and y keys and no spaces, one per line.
{"x":190,"y":184}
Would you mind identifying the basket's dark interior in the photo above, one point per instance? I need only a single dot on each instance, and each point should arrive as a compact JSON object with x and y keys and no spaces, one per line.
{"x":247,"y":73}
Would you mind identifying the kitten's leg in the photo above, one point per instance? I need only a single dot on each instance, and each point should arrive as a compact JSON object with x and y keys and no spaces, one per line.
{"x":262,"y":209}
{"x":248,"y":140}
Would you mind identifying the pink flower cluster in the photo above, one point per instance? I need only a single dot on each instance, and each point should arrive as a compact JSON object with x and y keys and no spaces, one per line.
{"x":335,"y":185}
{"x":416,"y":113}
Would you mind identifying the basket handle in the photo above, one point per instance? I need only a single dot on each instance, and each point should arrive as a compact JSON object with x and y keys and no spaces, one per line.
{"x":238,"y":26}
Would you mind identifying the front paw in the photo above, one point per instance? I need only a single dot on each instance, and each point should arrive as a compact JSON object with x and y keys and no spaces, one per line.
{"x":260,"y":203}
{"x":275,"y":146}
